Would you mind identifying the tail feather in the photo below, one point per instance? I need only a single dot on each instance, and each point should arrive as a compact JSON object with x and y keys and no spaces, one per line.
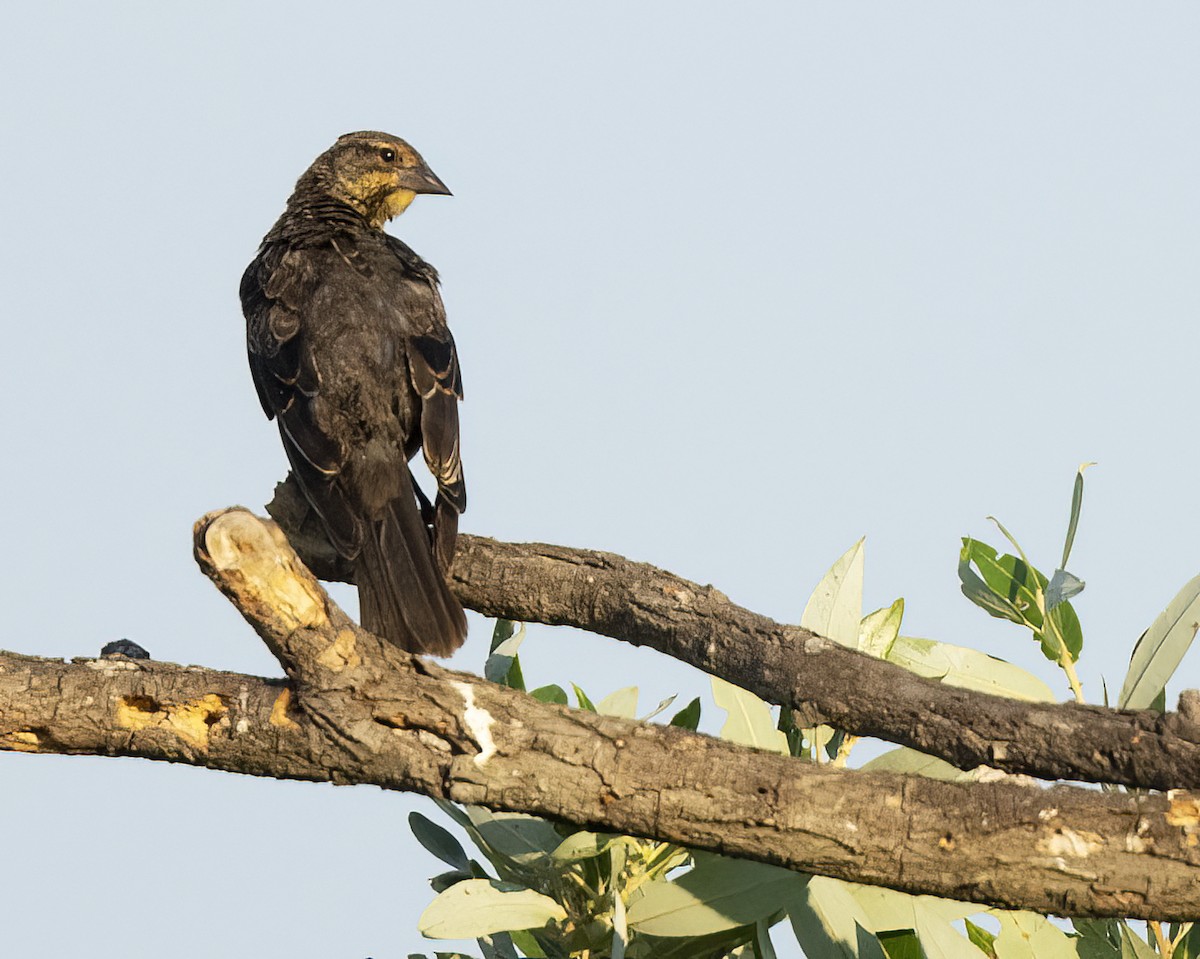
{"x":403,"y":596}
{"x":445,"y":533}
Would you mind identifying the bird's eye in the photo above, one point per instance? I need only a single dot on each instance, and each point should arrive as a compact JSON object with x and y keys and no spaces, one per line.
{"x":388,"y":154}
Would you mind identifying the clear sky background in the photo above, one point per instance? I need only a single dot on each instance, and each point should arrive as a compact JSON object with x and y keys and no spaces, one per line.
{"x":733,"y":285}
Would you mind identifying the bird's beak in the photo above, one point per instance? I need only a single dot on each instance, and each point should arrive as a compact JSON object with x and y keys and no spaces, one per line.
{"x":421,"y":179}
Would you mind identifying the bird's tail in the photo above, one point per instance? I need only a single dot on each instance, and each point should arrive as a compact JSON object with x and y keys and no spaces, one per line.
{"x":402,"y":594}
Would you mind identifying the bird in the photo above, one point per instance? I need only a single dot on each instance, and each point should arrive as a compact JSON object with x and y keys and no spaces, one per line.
{"x":351,"y":356}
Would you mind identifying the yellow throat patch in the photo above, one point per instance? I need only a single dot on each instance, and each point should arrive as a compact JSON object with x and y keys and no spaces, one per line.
{"x":363,"y":193}
{"x":397,"y":202}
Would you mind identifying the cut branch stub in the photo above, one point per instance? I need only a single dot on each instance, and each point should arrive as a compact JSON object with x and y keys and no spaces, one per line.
{"x":252,"y":563}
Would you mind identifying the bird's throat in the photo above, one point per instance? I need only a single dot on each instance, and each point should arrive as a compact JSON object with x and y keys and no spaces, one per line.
{"x":393,"y":205}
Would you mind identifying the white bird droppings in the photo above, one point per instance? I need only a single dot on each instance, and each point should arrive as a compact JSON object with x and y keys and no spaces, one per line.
{"x":479,"y":722}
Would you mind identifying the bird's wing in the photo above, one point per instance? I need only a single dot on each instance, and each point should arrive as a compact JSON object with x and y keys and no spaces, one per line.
{"x":435,"y":375}
{"x":433,"y":366}
{"x":275,"y":289}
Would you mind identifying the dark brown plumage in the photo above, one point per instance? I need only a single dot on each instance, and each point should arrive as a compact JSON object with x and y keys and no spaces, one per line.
{"x":351,"y":355}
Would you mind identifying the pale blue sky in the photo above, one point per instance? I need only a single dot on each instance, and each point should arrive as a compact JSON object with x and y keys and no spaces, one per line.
{"x":733,"y":285}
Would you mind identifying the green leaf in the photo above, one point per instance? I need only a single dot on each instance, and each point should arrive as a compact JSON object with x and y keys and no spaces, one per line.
{"x":457,"y":813}
{"x":622,"y":703}
{"x":516,"y":835}
{"x":763,"y":947}
{"x":581,"y":698}
{"x":512,"y":841}
{"x":830,"y":924}
{"x":968,"y":668}
{"x":1134,"y":947}
{"x":583,"y":845}
{"x":1098,"y":938}
{"x":939,"y":939}
{"x":910,"y":762}
{"x":498,"y":946}
{"x":930,"y":918}
{"x":438,"y":841}
{"x":731,"y":943}
{"x":834,"y":743}
{"x":1010,"y":589}
{"x":889,"y":909}
{"x":993,"y":599}
{"x":786,"y":724}
{"x":481,"y":907}
{"x":1158,"y":653}
{"x":502,"y":666}
{"x":550,"y":694}
{"x":526,"y":943}
{"x":1024,"y":584}
{"x":983,"y":940}
{"x":1026,"y":935}
{"x":1062,"y":586}
{"x":444,"y":880}
{"x":1065,"y":627}
{"x":835,"y":607}
{"x":1076,"y":504}
{"x":878,"y":630}
{"x":1067,"y":623}
{"x":750,"y":722}
{"x":1012,"y":539}
{"x":1189,"y":946}
{"x":689,"y":716}
{"x":477,"y":870}
{"x":440,"y":955}
{"x":716,"y":895}
{"x":504,"y":629}
{"x":901,"y":944}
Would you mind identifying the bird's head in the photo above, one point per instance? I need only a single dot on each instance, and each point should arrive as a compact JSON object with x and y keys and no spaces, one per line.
{"x":375,"y":173}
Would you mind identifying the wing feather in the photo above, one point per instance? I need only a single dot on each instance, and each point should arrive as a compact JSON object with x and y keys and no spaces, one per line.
{"x":275,"y":290}
{"x":433,"y":366}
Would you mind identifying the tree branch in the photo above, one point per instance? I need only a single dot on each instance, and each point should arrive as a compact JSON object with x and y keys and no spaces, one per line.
{"x":359,"y":710}
{"x":793,"y":667}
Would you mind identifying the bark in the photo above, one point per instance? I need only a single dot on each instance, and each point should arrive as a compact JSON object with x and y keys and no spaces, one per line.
{"x":356,"y":710}
{"x":792,"y":667}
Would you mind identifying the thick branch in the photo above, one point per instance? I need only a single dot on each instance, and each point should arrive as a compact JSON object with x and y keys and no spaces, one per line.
{"x":635,"y":602}
{"x":362,"y":711}
{"x":450,"y":735}
{"x":123,"y":707}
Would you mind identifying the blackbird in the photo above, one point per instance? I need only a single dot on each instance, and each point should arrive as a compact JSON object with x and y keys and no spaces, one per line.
{"x":351,"y":355}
